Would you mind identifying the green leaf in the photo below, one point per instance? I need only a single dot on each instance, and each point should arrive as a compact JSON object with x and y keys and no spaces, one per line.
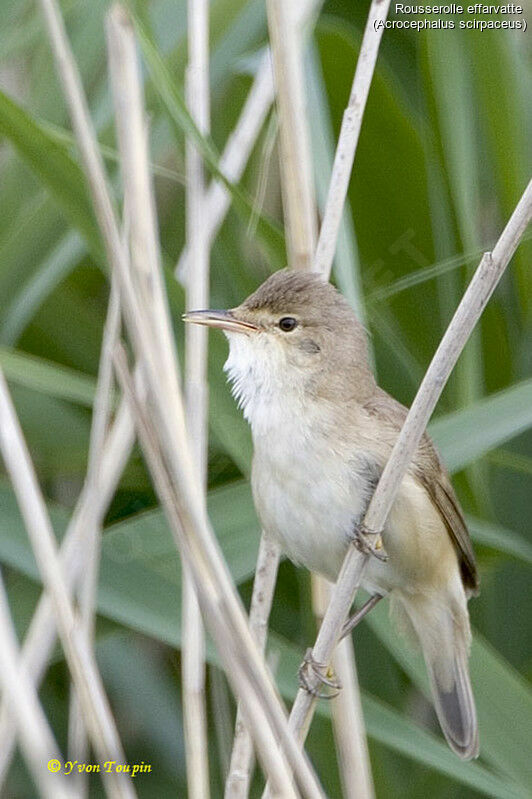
{"x":467,"y":434}
{"x":419,"y":276}
{"x":236,"y":26}
{"x":508,"y":459}
{"x":406,"y":737}
{"x":500,"y":539}
{"x":111,"y":154}
{"x":455,"y":115}
{"x":501,"y":76}
{"x":56,"y":432}
{"x":39,"y":285}
{"x":46,"y":377}
{"x":130,"y":670}
{"x":383,"y":186}
{"x":346,"y":262}
{"x":504,"y":702}
{"x":54,"y":167}
{"x":15,"y":546}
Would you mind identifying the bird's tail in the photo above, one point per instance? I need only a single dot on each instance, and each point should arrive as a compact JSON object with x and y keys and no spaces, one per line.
{"x":444,"y":635}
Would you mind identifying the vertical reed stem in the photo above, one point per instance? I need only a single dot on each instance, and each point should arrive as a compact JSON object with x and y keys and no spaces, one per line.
{"x":196,"y":392}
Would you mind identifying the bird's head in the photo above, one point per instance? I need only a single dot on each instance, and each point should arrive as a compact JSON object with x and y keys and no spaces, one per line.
{"x":295,"y":336}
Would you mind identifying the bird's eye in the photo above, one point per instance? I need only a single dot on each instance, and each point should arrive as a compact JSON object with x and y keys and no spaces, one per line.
{"x":287,"y":323}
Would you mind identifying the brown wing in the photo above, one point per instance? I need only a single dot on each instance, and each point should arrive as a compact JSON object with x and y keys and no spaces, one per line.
{"x":438,"y":486}
{"x":443,"y":496}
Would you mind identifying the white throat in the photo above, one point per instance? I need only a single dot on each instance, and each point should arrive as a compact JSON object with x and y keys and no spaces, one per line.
{"x":266,"y":387}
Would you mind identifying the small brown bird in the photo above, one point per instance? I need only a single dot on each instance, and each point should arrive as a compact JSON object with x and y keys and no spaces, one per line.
{"x":322,"y":432}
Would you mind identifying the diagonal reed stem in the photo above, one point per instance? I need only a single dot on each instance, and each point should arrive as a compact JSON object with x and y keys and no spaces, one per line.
{"x":37,"y":741}
{"x":77,"y":737}
{"x":241,"y":766}
{"x":88,"y":514}
{"x":348,"y":139}
{"x":346,"y":710}
{"x":482,"y":285}
{"x":80,"y":659}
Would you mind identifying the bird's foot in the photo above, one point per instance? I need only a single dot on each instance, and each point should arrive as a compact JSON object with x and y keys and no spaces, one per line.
{"x":369,"y":542}
{"x":313,"y":674}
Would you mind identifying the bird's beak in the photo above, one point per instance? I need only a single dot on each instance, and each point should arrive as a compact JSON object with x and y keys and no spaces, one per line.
{"x":225,"y":320}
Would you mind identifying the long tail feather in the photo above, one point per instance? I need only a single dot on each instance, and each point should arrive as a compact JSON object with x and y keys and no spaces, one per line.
{"x":455,"y":708}
{"x":444,"y":637}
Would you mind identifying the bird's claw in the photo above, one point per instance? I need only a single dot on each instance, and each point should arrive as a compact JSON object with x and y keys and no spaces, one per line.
{"x":310,"y":671}
{"x":369,"y":542}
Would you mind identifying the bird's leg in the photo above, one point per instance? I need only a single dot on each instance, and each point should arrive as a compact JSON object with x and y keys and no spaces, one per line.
{"x":320,"y":671}
{"x":310,"y":671}
{"x":353,"y":620}
{"x":369,"y":542}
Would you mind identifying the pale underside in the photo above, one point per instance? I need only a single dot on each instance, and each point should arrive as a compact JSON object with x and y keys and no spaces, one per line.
{"x":314,"y":471}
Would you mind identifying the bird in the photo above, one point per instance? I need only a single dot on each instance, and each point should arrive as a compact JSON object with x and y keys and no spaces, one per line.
{"x":322,"y":431}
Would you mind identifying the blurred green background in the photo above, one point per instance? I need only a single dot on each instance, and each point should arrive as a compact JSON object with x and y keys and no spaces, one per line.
{"x":442,"y":160}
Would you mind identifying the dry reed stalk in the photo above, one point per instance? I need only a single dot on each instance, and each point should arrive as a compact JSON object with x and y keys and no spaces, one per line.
{"x":88,"y":514}
{"x":346,"y":711}
{"x":234,"y":157}
{"x":77,"y":737}
{"x":80,"y":659}
{"x":37,"y":740}
{"x":196,"y":393}
{"x":297,"y":181}
{"x":92,"y":162}
{"x":243,"y":137}
{"x":348,"y":139}
{"x":482,"y":285}
{"x":241,"y":765}
{"x":149,"y":327}
{"x":348,"y":727}
{"x":296,"y":164}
